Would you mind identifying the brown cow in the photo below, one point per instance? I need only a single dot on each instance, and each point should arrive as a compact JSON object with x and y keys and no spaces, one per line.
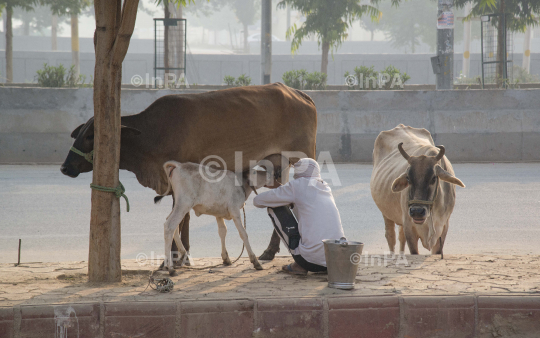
{"x":258,"y":121}
{"x":413,"y":184}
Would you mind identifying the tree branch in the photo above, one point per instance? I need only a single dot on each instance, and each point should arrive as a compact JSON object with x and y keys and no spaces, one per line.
{"x":104,"y":34}
{"x":127,"y":25}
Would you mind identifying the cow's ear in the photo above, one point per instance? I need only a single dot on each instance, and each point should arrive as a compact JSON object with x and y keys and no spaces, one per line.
{"x":400,"y":183}
{"x":447,"y":177}
{"x":128,"y":131}
{"x":75,"y":132}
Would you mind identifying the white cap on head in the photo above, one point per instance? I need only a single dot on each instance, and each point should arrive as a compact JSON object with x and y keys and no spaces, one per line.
{"x":307,"y":167}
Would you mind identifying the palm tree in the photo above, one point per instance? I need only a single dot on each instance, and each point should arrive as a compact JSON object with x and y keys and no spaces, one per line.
{"x":328,"y":20}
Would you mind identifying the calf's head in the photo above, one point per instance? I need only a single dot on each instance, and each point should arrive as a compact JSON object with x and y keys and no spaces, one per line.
{"x":422,"y":178}
{"x":75,"y":163}
{"x":259,"y":177}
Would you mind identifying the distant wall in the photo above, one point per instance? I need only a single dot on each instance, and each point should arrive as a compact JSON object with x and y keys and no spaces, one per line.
{"x":474,"y":125}
{"x":211,"y":69}
{"x":86,"y":45}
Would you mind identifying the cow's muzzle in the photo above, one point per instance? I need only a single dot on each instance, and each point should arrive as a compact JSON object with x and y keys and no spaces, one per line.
{"x":418,"y":214}
{"x":69,"y":171}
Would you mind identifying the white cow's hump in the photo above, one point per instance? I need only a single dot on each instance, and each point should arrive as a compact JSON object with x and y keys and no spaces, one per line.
{"x":412,"y":138}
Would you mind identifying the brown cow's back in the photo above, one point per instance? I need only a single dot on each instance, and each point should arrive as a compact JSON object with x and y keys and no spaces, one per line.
{"x":257,"y":121}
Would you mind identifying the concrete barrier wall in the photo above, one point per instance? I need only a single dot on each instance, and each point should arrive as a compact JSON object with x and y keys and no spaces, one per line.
{"x":474,"y":125}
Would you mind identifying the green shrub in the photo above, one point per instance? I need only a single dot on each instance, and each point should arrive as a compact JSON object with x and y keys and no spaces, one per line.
{"x":229,"y":80}
{"x":365,"y":72}
{"x":315,"y":81}
{"x":463,"y":80}
{"x":394,"y":79}
{"x":520,"y":75}
{"x":72,"y":80}
{"x":51,"y":76}
{"x":368,"y":78}
{"x":301,"y":79}
{"x":243,"y":80}
{"x":295,"y":78}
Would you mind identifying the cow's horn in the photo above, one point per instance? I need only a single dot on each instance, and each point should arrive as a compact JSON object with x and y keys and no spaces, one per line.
{"x":441,"y":153}
{"x":403,"y":152}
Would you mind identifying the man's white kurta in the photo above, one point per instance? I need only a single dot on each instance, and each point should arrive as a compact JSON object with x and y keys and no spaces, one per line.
{"x":315,"y":208}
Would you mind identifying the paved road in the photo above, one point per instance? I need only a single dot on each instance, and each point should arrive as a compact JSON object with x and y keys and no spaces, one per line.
{"x":498,"y":212}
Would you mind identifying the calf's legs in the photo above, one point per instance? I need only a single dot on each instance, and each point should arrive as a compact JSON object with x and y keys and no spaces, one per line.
{"x":243,"y":234}
{"x":169,"y":229}
{"x":222,"y":229}
{"x":183,"y":227}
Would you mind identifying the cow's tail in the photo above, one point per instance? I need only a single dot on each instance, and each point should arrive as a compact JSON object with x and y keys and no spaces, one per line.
{"x":168,"y":167}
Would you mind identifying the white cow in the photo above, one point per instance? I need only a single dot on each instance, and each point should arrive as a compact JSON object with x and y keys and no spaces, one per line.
{"x":208,"y":191}
{"x":413,"y":185}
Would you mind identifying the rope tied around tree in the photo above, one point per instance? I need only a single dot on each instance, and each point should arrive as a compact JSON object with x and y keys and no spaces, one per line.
{"x":119,"y":191}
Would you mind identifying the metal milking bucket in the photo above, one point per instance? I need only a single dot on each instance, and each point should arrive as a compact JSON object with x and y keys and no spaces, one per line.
{"x":341,"y":255}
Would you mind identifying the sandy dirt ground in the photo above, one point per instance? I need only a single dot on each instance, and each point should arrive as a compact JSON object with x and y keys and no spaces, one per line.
{"x":66,"y":282}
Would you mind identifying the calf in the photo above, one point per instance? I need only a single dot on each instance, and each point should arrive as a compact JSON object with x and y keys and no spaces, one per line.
{"x":208,"y":191}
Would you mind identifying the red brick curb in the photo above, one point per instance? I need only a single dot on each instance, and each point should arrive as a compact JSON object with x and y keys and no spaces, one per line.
{"x":370,"y":317}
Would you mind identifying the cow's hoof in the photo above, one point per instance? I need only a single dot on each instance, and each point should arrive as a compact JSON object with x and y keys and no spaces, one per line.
{"x":267,"y":255}
{"x":258,"y":266}
{"x":173,"y":273}
{"x":227,"y":261}
{"x":188,"y":261}
{"x":161,"y":267}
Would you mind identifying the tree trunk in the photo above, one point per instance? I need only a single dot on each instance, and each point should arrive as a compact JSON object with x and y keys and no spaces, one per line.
{"x":288,"y":20}
{"x":179,"y":45}
{"x":266,"y":41}
{"x":26,"y":27}
{"x":467,"y":42}
{"x":324,"y":62}
{"x":75,"y":44}
{"x":114,"y":27}
{"x":372,"y":34}
{"x":9,"y":44}
{"x":54,"y":32}
{"x":526,"y":63}
{"x":166,"y":40}
{"x":501,"y":44}
{"x":246,"y":45}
